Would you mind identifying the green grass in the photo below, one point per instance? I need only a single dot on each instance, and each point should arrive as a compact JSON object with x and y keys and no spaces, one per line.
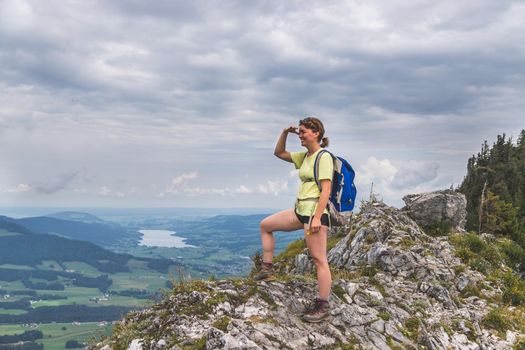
{"x":17,"y":267}
{"x":339,"y":291}
{"x":438,"y":228}
{"x":55,"y":337}
{"x":12,"y":312}
{"x":384,"y":315}
{"x":293,"y":249}
{"x":412,"y":327}
{"x":487,"y":258}
{"x":222,"y":323}
{"x":497,"y":319}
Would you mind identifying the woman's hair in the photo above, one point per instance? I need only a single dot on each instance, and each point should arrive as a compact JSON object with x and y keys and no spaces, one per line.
{"x":315,"y":124}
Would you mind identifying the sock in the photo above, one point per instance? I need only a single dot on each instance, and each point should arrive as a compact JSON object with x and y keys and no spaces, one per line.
{"x":267,"y":264}
{"x":323,"y":299}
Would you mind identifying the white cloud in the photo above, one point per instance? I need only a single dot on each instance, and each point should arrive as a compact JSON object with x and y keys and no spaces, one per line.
{"x":243,"y":189}
{"x":273,"y":187}
{"x":226,"y":191}
{"x":182,"y":179}
{"x":18,"y":189}
{"x":15,"y":15}
{"x":178,"y":182}
{"x":81,"y":190}
{"x":293,"y":173}
{"x":104,"y":191}
{"x":107,"y":192}
{"x":394,"y":180}
{"x":380,"y":172}
{"x":195,"y":191}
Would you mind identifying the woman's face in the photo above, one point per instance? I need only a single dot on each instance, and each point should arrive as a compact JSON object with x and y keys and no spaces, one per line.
{"x":307,"y":136}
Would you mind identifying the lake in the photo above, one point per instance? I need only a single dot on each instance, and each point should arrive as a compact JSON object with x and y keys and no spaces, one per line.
{"x":163,"y":238}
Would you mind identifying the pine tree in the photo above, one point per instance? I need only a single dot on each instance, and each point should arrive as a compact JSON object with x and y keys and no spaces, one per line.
{"x":502,"y":168}
{"x":499,"y":217}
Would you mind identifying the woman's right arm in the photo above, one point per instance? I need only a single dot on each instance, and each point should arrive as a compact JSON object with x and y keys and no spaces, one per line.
{"x":280,"y":147}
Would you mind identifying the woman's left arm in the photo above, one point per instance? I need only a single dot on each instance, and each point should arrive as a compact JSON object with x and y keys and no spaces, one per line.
{"x":326,"y":187}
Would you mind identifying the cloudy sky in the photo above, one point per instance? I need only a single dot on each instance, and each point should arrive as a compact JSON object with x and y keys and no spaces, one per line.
{"x":180,"y":104}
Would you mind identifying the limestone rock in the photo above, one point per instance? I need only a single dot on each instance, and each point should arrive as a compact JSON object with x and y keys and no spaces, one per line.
{"x":397,"y":287}
{"x":428,"y":208}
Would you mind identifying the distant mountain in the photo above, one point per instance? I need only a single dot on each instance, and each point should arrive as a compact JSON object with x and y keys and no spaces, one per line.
{"x":20,"y":246}
{"x":7,"y":224}
{"x":80,"y":217}
{"x":102,"y":233}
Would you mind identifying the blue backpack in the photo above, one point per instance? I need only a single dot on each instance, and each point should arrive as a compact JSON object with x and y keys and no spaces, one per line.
{"x":343,"y":190}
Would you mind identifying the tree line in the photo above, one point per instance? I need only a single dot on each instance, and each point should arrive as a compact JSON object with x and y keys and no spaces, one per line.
{"x":495,"y":190}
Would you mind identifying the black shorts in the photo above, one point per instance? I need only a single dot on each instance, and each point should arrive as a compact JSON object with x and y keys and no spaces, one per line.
{"x":305,"y":219}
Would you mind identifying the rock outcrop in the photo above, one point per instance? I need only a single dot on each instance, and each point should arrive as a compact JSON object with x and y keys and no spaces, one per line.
{"x":394,"y":287}
{"x":430,"y":208}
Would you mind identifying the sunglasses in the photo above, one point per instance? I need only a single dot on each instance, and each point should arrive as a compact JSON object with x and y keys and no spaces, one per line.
{"x":308,"y":122}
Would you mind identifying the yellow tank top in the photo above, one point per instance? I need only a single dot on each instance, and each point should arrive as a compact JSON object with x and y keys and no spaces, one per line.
{"x":308,"y":187}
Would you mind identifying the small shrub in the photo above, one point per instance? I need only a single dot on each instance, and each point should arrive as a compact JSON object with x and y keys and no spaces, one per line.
{"x":256,"y":260}
{"x":480,"y":265}
{"x":293,"y":249}
{"x":471,"y":290}
{"x":474,"y":243}
{"x":439,"y":228}
{"x":459,"y":269}
{"x":339,"y":291}
{"x":520,"y":345}
{"x":513,"y":288}
{"x":332,"y":241}
{"x":406,"y":242}
{"x":198,"y":344}
{"x":267,"y":298}
{"x":222,"y":323}
{"x":514,"y":254}
{"x":419,"y":305}
{"x":412,"y":327}
{"x":369,"y":270}
{"x":496,"y":319}
{"x":373,"y":281}
{"x":385,"y":315}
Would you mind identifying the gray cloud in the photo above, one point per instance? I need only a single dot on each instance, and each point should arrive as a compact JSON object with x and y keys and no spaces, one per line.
{"x":149,"y":91}
{"x":59,"y":183}
{"x":414,"y":173}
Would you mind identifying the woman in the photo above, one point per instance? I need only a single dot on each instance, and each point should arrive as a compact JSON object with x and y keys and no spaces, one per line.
{"x":310,"y":212}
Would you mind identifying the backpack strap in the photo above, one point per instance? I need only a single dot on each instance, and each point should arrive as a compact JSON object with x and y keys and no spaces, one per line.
{"x":316,"y":167}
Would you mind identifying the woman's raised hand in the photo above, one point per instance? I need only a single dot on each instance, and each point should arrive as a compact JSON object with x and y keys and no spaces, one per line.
{"x":292,"y":128}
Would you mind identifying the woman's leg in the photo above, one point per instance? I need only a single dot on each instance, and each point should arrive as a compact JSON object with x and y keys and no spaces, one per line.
{"x":285,"y":220}
{"x":316,"y":243}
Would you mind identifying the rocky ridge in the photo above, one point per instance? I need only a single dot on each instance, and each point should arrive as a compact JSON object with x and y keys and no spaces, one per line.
{"x":394,"y":287}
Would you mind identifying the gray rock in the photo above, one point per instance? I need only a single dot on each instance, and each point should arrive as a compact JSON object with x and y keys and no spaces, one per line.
{"x":302,"y":264}
{"x":136,"y":344}
{"x":161,"y":344}
{"x":391,"y":271}
{"x":428,"y":208}
{"x":463,"y":282}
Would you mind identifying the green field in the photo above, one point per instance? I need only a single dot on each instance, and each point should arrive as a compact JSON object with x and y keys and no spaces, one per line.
{"x":55,"y":336}
{"x":7,"y":233}
{"x":13,"y":312}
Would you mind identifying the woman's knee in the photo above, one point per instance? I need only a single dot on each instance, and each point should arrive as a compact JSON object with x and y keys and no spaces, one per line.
{"x":320,"y":260}
{"x":264,"y":225}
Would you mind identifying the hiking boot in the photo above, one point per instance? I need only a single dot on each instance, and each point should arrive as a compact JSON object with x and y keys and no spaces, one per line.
{"x":265,"y":274}
{"x":317,"y":311}
{"x":308,"y":308}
